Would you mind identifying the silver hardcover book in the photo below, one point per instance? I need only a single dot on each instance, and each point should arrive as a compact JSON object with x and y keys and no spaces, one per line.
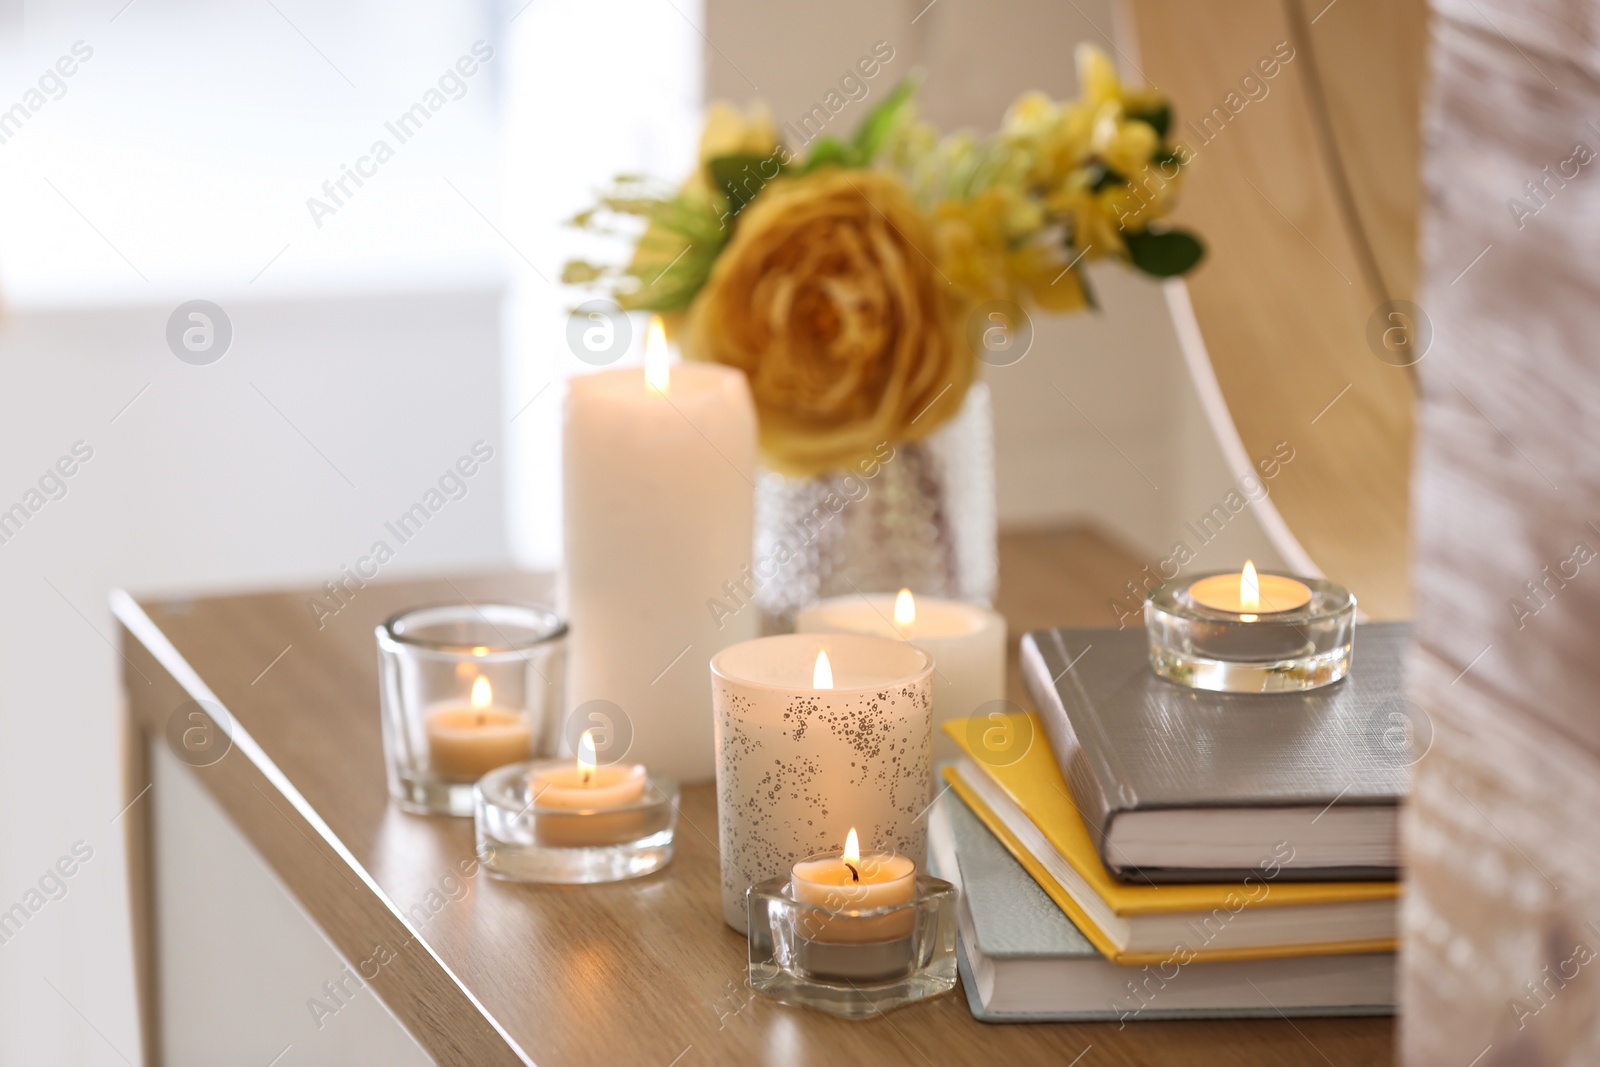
{"x":1179,"y":784}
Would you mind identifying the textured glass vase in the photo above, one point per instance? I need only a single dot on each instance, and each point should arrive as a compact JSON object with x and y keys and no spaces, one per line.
{"x":924,"y":520}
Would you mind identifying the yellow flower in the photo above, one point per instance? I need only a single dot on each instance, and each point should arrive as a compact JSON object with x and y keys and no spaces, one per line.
{"x":1040,"y":273}
{"x":731,"y":132}
{"x":971,"y":238}
{"x":675,"y":241}
{"x":1063,"y":138}
{"x":827,"y":300}
{"x":1122,"y":145}
{"x":992,"y":247}
{"x":1099,"y":84}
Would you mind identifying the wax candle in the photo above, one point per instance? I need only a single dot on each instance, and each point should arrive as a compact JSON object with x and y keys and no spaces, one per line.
{"x":584,"y":784}
{"x":856,"y":881}
{"x":967,"y":643}
{"x":658,"y":492}
{"x":465,"y":743}
{"x":592,"y":793}
{"x":813,"y":729}
{"x":1250,"y":595}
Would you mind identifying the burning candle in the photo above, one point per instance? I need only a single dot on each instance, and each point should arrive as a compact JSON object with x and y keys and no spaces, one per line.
{"x":464,"y":744}
{"x":1250,"y":595}
{"x":647,"y":457}
{"x":812,"y":728}
{"x":967,"y":643}
{"x":585,"y":784}
{"x":855,"y":881}
{"x":602,"y":800}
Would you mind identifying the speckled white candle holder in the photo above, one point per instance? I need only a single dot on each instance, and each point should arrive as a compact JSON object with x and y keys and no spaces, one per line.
{"x":798,"y":766}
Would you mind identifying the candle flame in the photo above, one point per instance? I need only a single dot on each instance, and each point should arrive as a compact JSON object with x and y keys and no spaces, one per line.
{"x":481,"y":693}
{"x":852,"y":848}
{"x":656,"y":370}
{"x":480,"y":650}
{"x":1249,"y":592}
{"x":586,"y":756}
{"x":822,"y":673}
{"x":905,"y":611}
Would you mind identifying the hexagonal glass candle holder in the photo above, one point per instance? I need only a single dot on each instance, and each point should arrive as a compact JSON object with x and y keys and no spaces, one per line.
{"x":851,"y":961}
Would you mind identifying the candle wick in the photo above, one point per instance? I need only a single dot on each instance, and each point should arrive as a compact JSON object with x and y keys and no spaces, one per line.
{"x":481,"y":718}
{"x":586,"y":775}
{"x":855,"y":875}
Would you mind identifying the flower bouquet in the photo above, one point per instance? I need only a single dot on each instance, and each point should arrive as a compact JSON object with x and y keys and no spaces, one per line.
{"x":858,"y":284}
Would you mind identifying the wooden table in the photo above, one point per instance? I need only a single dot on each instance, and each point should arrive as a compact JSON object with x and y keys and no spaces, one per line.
{"x":643,"y":972}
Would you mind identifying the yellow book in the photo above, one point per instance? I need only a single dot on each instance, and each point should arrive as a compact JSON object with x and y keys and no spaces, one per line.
{"x":1026,"y":803}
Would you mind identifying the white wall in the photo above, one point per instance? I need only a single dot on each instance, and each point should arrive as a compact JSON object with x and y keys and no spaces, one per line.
{"x":200,"y":484}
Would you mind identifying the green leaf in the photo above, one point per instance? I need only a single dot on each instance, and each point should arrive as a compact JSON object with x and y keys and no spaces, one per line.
{"x":882,"y":121}
{"x":1166,"y":254}
{"x":830,"y":151}
{"x":1101,"y":176}
{"x":740,"y":177}
{"x":1157,"y":118}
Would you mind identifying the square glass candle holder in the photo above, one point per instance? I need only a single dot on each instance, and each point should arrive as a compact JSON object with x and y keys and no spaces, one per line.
{"x":1204,"y":646}
{"x":524,"y":836}
{"x":466,"y":688}
{"x":854,"y":962}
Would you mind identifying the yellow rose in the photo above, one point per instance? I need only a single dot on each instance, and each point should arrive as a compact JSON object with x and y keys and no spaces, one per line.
{"x":826,"y":298}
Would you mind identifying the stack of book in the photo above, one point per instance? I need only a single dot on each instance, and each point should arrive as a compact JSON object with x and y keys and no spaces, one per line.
{"x":1139,"y":850}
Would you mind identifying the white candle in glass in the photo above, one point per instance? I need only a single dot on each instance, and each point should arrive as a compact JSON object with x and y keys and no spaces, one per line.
{"x":967,"y":643}
{"x":659,"y":467}
{"x":807,"y":745}
{"x":465,"y":743}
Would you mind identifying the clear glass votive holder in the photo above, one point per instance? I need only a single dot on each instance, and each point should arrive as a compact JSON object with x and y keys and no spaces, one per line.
{"x":466,"y":688}
{"x":853,"y":962}
{"x":1203,"y":647}
{"x":522,"y":837}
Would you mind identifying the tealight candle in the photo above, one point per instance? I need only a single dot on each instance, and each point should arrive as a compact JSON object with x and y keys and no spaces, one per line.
{"x":465,"y":743}
{"x":586,"y":787}
{"x":856,"y":881}
{"x":967,"y":643}
{"x":1250,"y":595}
{"x":585,"y":784}
{"x":1250,"y":632}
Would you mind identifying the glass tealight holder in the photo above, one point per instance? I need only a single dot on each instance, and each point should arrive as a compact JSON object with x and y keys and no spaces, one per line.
{"x":853,"y":962}
{"x":466,"y":688}
{"x":523,"y":836}
{"x":1206,"y":647}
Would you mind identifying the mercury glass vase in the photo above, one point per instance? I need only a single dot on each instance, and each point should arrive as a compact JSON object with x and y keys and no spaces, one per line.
{"x":922,"y":517}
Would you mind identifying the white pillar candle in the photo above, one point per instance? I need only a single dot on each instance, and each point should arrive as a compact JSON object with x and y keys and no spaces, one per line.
{"x":658,"y":494}
{"x":967,"y":643}
{"x":799,"y":763}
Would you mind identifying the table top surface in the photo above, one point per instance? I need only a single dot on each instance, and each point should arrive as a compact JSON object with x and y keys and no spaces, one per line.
{"x":641,"y":972}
